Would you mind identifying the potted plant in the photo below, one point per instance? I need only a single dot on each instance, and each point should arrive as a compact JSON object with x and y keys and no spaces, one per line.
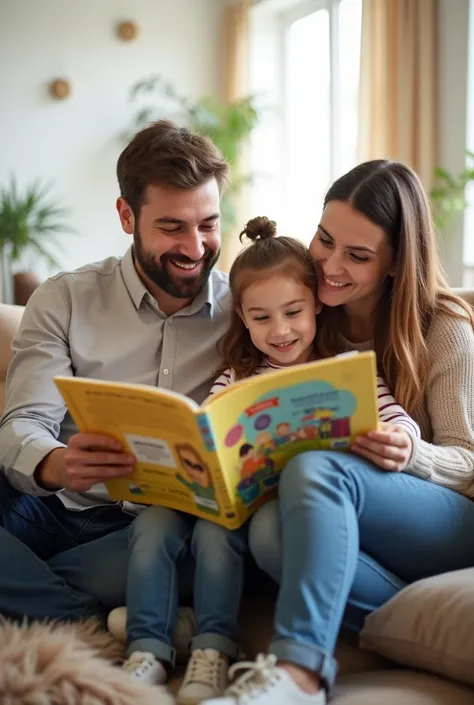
{"x":448,"y":194}
{"x":30,"y":222}
{"x":229,"y":127}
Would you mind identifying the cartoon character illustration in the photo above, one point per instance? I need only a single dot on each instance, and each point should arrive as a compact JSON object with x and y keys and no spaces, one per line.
{"x":325,"y":427}
{"x":310,"y":432}
{"x":256,"y":473}
{"x":307,"y":433}
{"x":248,"y":490}
{"x":201,"y":485}
{"x":264,"y":441}
{"x":283,"y":433}
{"x":251,"y":460}
{"x":329,"y":427}
{"x":325,"y":421}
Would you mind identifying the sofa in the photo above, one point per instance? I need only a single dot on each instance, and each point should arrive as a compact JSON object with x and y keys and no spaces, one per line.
{"x":433,"y":673}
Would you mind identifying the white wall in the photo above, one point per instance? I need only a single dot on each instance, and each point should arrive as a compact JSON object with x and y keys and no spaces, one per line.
{"x":75,"y":142}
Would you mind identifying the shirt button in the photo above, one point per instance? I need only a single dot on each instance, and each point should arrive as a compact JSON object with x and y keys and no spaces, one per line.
{"x":166,"y":371}
{"x":170,"y":321}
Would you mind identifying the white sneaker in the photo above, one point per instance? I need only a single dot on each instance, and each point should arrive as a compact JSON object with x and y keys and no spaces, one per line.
{"x":205,"y":677}
{"x":144,"y":667}
{"x":264,"y":683}
{"x":184,"y":631}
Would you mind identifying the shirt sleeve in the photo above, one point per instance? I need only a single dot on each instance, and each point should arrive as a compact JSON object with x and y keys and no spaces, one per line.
{"x":34,"y":409}
{"x":225,"y":380}
{"x":391,"y":412}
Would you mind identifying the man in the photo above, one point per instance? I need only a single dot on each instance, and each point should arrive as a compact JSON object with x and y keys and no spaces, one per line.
{"x":153,"y":317}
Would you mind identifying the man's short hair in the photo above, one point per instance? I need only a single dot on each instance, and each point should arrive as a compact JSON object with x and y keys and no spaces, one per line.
{"x":166,"y":154}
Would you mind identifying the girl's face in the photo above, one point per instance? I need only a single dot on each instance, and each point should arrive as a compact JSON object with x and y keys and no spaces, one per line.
{"x":280,"y":314}
{"x":353,"y":258}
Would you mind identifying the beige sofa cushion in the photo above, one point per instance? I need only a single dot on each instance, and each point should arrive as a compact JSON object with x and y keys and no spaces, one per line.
{"x":467,"y":295}
{"x":10,"y":317}
{"x":428,"y":625}
{"x":399,"y":688}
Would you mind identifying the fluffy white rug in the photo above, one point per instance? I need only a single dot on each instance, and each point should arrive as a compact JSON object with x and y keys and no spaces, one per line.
{"x":71,"y":664}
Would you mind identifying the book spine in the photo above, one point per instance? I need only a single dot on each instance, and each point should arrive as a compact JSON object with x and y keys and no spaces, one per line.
{"x":206,"y":431}
{"x":227,"y":504}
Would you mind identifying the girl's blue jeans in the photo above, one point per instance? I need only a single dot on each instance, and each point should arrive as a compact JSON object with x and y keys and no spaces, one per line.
{"x":342,"y":539}
{"x":160,"y":539}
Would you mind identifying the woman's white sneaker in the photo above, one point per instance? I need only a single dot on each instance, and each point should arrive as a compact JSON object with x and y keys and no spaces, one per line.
{"x":205,"y":677}
{"x":144,"y":667}
{"x":264,"y":683}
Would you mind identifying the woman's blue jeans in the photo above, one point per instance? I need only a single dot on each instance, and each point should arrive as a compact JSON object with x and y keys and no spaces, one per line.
{"x":342,"y":539}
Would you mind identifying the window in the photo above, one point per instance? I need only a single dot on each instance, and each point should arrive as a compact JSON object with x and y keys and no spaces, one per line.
{"x":468,"y":254}
{"x":305,"y":66}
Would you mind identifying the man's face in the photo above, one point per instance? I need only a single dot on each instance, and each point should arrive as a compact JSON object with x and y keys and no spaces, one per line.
{"x":176,"y":237}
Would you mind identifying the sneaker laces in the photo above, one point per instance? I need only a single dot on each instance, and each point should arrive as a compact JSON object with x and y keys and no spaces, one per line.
{"x":259,"y":676}
{"x":203,"y":668}
{"x":140,"y":661}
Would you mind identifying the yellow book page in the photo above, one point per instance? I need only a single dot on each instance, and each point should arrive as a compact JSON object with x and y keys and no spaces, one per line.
{"x":174,"y":468}
{"x":266,"y":420}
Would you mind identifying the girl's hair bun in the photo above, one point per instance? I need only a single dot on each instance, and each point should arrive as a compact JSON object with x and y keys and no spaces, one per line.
{"x":260,"y":228}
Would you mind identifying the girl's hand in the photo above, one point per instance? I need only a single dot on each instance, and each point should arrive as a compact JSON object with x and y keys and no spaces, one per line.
{"x":390,"y":447}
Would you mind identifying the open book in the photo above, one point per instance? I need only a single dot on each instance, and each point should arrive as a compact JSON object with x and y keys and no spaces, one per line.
{"x":222,"y":460}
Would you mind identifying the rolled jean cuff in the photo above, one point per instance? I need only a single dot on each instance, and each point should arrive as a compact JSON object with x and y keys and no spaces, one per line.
{"x":308,"y":656}
{"x":220,"y":643}
{"x":160,"y":650}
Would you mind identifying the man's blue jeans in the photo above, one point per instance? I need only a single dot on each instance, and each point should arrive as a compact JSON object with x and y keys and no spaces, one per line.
{"x":159,"y":539}
{"x":342,"y":539}
{"x":58,"y":563}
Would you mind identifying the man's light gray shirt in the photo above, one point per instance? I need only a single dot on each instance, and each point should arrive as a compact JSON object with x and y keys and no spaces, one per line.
{"x":101,"y":322}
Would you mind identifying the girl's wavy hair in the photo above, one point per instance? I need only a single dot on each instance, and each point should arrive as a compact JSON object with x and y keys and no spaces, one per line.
{"x":392,"y":196}
{"x":265,"y":256}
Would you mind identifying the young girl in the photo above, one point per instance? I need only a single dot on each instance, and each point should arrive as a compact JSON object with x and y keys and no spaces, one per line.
{"x":275,"y":305}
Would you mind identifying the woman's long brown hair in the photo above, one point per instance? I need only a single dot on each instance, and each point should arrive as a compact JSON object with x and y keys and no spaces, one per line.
{"x":392,"y":196}
{"x":266,"y":256}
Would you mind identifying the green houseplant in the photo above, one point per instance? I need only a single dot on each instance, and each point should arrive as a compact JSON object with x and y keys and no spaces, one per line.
{"x":229,"y":126}
{"x":31,"y":222}
{"x":448,"y":195}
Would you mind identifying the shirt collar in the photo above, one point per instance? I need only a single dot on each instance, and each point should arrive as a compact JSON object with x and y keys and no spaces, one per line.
{"x":204,"y":301}
{"x":267,"y":363}
{"x":134,"y":284}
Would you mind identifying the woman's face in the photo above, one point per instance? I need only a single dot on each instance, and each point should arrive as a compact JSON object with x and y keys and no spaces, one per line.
{"x":353,"y":257}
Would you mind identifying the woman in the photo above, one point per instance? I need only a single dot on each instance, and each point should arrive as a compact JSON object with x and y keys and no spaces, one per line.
{"x":357,"y":527}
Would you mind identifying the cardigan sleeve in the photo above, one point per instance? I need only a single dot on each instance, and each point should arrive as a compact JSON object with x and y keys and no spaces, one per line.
{"x":449,"y":459}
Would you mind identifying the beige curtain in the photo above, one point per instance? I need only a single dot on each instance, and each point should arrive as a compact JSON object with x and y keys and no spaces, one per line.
{"x":234,"y":50}
{"x":234,"y":85}
{"x":397,"y":116}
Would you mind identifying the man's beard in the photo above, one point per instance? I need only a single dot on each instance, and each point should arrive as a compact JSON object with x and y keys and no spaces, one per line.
{"x":157,"y":271}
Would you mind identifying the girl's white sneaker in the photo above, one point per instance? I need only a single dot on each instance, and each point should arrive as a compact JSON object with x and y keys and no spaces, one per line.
{"x":144,"y":667}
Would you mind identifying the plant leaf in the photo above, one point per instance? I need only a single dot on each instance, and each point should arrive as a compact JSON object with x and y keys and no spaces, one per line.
{"x":31,"y":220}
